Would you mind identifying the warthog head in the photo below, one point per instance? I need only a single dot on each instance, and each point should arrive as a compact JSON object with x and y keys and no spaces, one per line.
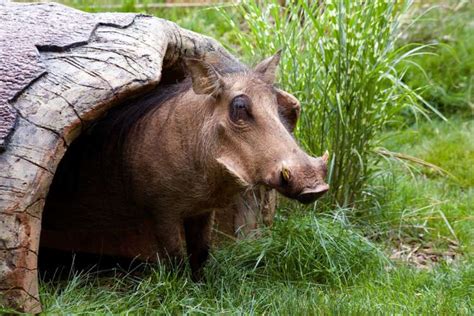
{"x":254,"y":122}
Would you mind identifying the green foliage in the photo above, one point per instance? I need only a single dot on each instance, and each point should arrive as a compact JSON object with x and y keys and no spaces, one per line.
{"x":445,"y":76}
{"x":340,"y":61}
{"x":419,"y":203}
{"x":303,"y":265}
{"x":302,"y":248}
{"x":449,"y":145}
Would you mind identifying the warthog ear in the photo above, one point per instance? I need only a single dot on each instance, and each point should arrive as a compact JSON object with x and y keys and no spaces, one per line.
{"x":206,"y":79}
{"x":289,"y":108}
{"x":267,"y":68}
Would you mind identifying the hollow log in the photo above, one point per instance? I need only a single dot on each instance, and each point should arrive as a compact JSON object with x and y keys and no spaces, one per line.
{"x":60,"y":70}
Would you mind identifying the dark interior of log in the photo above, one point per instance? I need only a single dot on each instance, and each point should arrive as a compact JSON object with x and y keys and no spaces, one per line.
{"x":56,"y":265}
{"x":66,"y":247}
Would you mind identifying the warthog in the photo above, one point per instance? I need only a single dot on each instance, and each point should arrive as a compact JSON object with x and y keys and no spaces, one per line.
{"x":184,"y":151}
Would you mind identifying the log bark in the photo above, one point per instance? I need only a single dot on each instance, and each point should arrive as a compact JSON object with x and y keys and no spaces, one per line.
{"x":60,"y":70}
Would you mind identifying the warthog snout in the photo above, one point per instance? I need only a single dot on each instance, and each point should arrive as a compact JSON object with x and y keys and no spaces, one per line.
{"x":302,"y":179}
{"x":310,"y":195}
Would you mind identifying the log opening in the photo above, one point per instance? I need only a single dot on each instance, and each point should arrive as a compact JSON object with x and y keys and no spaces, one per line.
{"x":78,"y":238}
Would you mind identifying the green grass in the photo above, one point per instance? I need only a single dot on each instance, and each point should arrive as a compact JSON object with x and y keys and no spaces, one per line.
{"x":447,"y":78}
{"x":449,"y":145}
{"x":416,"y":200}
{"x":305,"y":264}
{"x":446,"y":290}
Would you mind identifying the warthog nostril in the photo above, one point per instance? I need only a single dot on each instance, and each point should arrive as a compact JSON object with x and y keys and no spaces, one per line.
{"x":310,"y":195}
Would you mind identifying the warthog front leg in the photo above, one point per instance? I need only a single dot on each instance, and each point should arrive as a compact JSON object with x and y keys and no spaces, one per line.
{"x":197,"y":230}
{"x":169,"y":241}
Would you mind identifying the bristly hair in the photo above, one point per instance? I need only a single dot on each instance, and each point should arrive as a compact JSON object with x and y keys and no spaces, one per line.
{"x":114,"y":128}
{"x":106,"y":138}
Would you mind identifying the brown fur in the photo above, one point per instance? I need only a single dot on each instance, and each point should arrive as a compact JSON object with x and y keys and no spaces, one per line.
{"x":184,"y":157}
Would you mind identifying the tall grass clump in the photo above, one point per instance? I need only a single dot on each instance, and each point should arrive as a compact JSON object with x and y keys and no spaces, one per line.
{"x":301,"y":249}
{"x":339,"y":59}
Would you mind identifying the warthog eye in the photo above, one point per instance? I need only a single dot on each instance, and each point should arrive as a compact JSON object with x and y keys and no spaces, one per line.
{"x":240,"y":108}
